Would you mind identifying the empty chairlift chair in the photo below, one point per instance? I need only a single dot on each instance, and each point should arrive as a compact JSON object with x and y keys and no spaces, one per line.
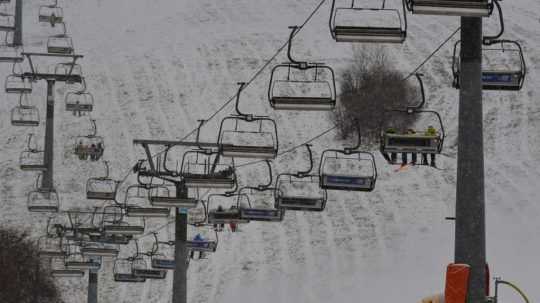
{"x":122,"y":271}
{"x":503,"y":65}
{"x":350,"y":23}
{"x":25,"y":115}
{"x":59,"y":270}
{"x":141,"y":269}
{"x":162,"y":256}
{"x":17,"y":84}
{"x":165,"y":196}
{"x":116,"y":222}
{"x":100,"y":250}
{"x":51,"y":246}
{"x":301,"y":85}
{"x":136,"y":203}
{"x":101,"y":188}
{"x":300,"y":191}
{"x":32,"y":159}
{"x":348,"y":169}
{"x":463,"y":8}
{"x":206,"y":169}
{"x":259,"y":205}
{"x":247,"y":136}
{"x":425,"y":138}
{"x":10,"y":54}
{"x":78,"y":261}
{"x":43,"y":201}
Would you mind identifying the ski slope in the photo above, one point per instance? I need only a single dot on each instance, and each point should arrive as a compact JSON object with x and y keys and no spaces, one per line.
{"x":155,"y":67}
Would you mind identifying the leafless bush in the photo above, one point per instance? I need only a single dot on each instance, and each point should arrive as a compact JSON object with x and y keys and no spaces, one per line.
{"x":23,"y":279}
{"x":369,"y":86}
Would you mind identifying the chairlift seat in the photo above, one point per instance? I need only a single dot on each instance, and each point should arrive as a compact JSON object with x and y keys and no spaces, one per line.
{"x":16,"y":84}
{"x":43,"y":209}
{"x":24,"y":115}
{"x":128,"y":278}
{"x":369,"y":34}
{"x":225,"y":217}
{"x":52,"y":253}
{"x":60,"y":45}
{"x":101,"y":189}
{"x":358,"y":183}
{"x":32,"y":161}
{"x":463,"y":8}
{"x":248,"y":151}
{"x":173,"y":202}
{"x":10,"y":57}
{"x":150,"y":273}
{"x":135,"y":211}
{"x":79,"y":107}
{"x":99,"y":251}
{"x":41,"y":201}
{"x":112,"y":239}
{"x":301,"y":95}
{"x":67,"y":273}
{"x":83,"y":265}
{"x":208,"y":181}
{"x":159,"y":263}
{"x":202,"y":246}
{"x":300,"y":203}
{"x":123,"y":230}
{"x":262,"y":214}
{"x":413,"y":143}
{"x":502,"y":80}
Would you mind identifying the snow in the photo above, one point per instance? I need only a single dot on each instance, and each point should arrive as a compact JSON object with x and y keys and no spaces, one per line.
{"x":155,"y":67}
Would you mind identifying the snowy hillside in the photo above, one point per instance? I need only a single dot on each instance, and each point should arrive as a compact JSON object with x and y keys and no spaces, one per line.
{"x":155,"y":67}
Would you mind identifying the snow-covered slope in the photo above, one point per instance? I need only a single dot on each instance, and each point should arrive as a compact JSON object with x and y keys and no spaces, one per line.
{"x":155,"y":67}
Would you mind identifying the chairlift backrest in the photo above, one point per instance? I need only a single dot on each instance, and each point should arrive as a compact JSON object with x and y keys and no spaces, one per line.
{"x":463,"y":8}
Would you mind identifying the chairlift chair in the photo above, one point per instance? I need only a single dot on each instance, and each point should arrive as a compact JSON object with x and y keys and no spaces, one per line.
{"x":115,"y":239}
{"x":90,"y":146}
{"x":60,"y":43}
{"x":101,"y":188}
{"x":100,"y":250}
{"x":25,"y":115}
{"x":76,"y":260}
{"x":79,"y":101}
{"x":348,"y":169}
{"x":51,"y":246}
{"x":51,"y":14}
{"x":140,"y":269}
{"x":361,"y":24}
{"x":17,"y":84}
{"x":32,"y":159}
{"x":202,"y":245}
{"x":165,"y":196}
{"x":260,"y":205}
{"x":59,"y":270}
{"x":300,"y":191}
{"x":122,"y":271}
{"x":202,"y":169}
{"x":162,"y":256}
{"x":74,"y":71}
{"x":248,"y":136}
{"x":394,"y":139}
{"x":116,"y":222}
{"x":301,"y":85}
{"x":503,"y":65}
{"x":463,"y":8}
{"x":224,"y":209}
{"x":10,"y":54}
{"x":43,"y":200}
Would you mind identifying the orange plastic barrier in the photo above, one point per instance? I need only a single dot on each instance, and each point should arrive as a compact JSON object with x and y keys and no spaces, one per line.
{"x":457,"y":283}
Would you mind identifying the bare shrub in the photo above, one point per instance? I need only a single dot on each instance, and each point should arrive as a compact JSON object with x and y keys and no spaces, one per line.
{"x":23,"y":278}
{"x":369,"y":86}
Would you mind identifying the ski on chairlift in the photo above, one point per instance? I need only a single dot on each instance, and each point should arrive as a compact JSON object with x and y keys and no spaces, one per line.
{"x":300,"y":191}
{"x":352,"y":23}
{"x":463,"y":8}
{"x":297,"y":85}
{"x":247,"y":136}
{"x":424,"y":139}
{"x":348,"y":169}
